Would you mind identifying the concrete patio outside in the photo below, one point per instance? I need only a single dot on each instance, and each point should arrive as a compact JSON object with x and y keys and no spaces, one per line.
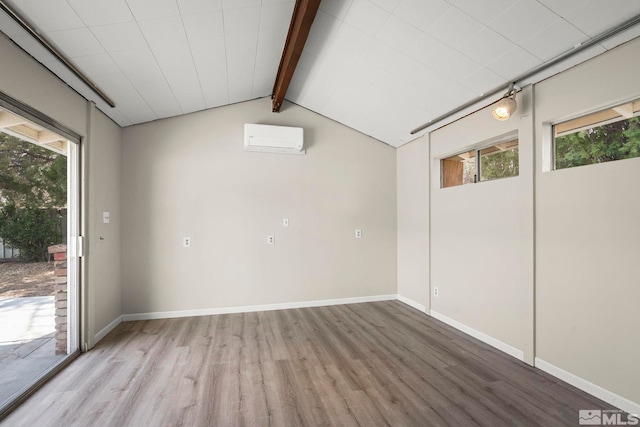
{"x":27,"y":344}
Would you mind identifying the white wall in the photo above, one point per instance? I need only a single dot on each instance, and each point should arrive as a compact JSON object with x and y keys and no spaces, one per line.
{"x":26,"y":80}
{"x":189,"y":176}
{"x":581,"y":311}
{"x":413,"y":222}
{"x":482,"y":235}
{"x":588,"y":239}
{"x":105,"y":169}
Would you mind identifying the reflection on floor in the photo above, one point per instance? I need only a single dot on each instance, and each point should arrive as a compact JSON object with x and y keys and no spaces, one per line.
{"x":27,"y":344}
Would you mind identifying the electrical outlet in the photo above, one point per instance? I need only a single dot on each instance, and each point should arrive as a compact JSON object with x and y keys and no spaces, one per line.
{"x":436,"y":291}
{"x":186,"y":242}
{"x":285,"y":222}
{"x":358,"y":233}
{"x":271,"y":239}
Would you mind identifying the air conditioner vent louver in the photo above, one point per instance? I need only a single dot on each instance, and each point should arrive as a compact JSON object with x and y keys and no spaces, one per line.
{"x":273,"y":139}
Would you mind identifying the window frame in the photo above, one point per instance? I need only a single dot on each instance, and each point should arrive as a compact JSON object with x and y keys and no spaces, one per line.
{"x":549,"y":156}
{"x":478,"y":148}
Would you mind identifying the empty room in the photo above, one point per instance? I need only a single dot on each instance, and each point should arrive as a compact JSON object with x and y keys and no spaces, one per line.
{"x":319,"y":212}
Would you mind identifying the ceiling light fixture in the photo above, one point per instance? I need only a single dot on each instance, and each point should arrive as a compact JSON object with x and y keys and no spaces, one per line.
{"x":504,"y":108}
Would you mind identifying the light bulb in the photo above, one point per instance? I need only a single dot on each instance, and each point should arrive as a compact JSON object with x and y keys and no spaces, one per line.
{"x":504,"y":109}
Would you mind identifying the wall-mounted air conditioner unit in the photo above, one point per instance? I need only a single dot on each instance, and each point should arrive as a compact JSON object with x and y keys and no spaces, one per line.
{"x":273,"y":139}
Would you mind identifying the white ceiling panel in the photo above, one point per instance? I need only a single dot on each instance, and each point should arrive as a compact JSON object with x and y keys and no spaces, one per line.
{"x":176,"y":62}
{"x":77,"y":42}
{"x":210,"y":63}
{"x":513,"y":63}
{"x":421,"y":13}
{"x":101,"y":65}
{"x":522,"y":20}
{"x":191,"y":7}
{"x":560,"y":33}
{"x":379,"y":55}
{"x":432,"y":80}
{"x":216,"y":96}
{"x":427,"y":49}
{"x":240,"y":90}
{"x":397,"y":34}
{"x":366,"y":16}
{"x":204,"y":26}
{"x":455,"y":27}
{"x":456,"y":66}
{"x":388,"y":5}
{"x":189,"y":95}
{"x":562,"y":7}
{"x":122,"y":36}
{"x":486,"y":46}
{"x":53,"y":15}
{"x":239,"y":4}
{"x":348,"y":41}
{"x":595,"y":16}
{"x":241,"y":58}
{"x":407,"y":69}
{"x":322,"y":32}
{"x":240,"y":21}
{"x":455,"y":95}
{"x":382,"y":67}
{"x":361,"y":71}
{"x":270,"y":3}
{"x":212,"y":77}
{"x":276,"y":16}
{"x":484,"y":11}
{"x":153,"y":88}
{"x":163,"y":31}
{"x":100,"y":12}
{"x":153,"y":9}
{"x":482,"y":81}
{"x":139,"y":60}
{"x":347,"y":104}
{"x":336,"y":8}
{"x":262,"y":87}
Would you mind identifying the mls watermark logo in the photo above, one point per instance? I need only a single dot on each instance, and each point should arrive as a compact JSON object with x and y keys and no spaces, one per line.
{"x":590,"y":417}
{"x":607,"y":417}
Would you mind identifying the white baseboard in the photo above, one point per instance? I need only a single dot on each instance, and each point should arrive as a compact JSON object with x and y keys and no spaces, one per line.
{"x":252,"y":308}
{"x":591,"y":388}
{"x":103,"y":333}
{"x":412,"y":303}
{"x":510,"y":350}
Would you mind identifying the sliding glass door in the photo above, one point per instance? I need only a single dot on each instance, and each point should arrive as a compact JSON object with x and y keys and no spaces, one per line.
{"x":40,"y":246}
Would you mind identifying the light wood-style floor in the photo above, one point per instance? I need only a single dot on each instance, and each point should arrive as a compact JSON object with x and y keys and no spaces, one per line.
{"x":368,"y":364}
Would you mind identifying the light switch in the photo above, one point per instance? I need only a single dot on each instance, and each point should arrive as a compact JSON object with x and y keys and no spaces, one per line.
{"x":105,"y":217}
{"x":285,"y":222}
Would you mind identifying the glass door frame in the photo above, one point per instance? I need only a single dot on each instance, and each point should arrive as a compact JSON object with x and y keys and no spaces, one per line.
{"x":75,"y":211}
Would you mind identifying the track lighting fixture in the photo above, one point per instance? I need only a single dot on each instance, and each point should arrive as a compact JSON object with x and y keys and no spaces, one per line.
{"x":504,"y":108}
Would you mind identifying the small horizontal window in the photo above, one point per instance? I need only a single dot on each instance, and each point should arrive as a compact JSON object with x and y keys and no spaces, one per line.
{"x":494,"y":162}
{"x":604,"y":136}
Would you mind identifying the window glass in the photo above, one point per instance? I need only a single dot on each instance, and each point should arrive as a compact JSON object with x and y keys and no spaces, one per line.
{"x":604,"y":136}
{"x":459,"y":169}
{"x":499,"y":161}
{"x":494,"y":162}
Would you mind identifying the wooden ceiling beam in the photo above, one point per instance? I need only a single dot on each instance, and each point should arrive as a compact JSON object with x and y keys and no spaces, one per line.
{"x":304,"y":12}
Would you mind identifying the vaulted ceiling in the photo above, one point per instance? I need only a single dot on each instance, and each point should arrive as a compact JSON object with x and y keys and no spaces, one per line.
{"x":383,"y":67}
